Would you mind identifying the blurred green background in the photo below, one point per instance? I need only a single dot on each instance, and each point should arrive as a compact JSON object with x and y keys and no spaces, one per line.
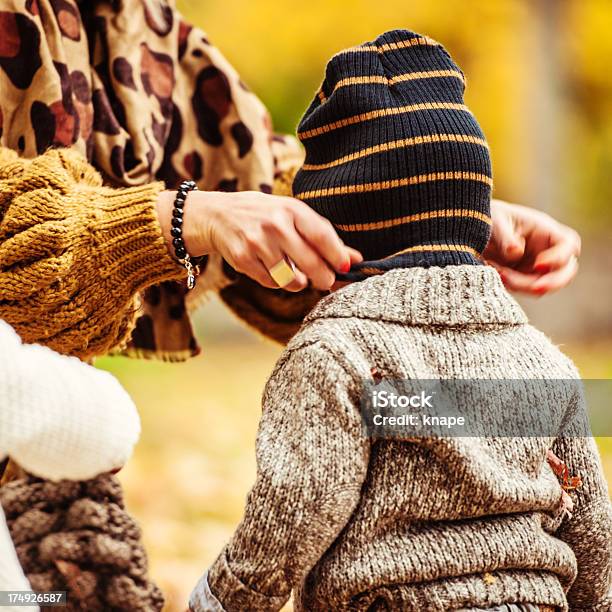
{"x":540,"y":82}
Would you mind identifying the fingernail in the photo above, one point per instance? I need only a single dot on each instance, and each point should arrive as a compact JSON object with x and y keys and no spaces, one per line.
{"x":345,"y":267}
{"x":542,"y":268}
{"x":540,"y":290}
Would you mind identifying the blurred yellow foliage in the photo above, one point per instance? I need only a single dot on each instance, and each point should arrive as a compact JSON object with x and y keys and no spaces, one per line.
{"x":538,"y":77}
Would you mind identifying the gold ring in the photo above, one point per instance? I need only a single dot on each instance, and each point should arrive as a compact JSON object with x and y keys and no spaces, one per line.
{"x":283,"y":272}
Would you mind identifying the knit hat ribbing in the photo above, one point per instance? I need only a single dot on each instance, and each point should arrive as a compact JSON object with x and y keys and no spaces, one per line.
{"x":394,"y":158}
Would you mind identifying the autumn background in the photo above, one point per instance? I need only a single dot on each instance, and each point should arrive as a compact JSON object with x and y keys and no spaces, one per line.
{"x":540,"y":82}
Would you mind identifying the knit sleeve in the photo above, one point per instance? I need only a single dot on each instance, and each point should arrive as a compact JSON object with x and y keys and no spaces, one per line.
{"x":311,"y":463}
{"x":59,"y":417}
{"x":74,"y":253}
{"x":589,"y":530}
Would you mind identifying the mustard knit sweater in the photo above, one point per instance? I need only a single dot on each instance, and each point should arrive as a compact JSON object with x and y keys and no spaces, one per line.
{"x":74,"y":253}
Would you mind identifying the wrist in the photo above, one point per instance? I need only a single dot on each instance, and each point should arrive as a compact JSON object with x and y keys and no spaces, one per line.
{"x":199,"y":209}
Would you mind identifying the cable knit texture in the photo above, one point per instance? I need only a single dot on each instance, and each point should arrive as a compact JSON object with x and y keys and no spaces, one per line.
{"x":433,"y":524}
{"x":74,"y":254}
{"x":77,"y":537}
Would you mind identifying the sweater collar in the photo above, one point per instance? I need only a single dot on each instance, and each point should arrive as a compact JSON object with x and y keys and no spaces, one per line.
{"x":454,"y":296}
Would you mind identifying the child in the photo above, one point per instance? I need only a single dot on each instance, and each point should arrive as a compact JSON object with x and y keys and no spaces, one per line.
{"x":399,"y":165}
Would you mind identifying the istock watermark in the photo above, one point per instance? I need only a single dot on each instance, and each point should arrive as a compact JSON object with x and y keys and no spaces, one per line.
{"x":396,"y":408}
{"x":385,"y":399}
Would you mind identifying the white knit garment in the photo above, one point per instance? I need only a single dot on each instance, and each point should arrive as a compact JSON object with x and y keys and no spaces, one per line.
{"x":59,"y":419}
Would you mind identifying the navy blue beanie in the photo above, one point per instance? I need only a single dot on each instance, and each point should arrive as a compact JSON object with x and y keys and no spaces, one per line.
{"x":394,"y":158}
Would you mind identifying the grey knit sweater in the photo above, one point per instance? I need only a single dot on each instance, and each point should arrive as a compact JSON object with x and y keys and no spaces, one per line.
{"x":350,"y":523}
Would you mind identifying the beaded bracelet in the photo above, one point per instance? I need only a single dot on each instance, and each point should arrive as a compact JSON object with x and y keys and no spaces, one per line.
{"x":180,"y":251}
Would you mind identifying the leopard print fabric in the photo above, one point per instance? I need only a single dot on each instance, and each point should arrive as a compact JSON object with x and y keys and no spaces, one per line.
{"x":144,"y":96}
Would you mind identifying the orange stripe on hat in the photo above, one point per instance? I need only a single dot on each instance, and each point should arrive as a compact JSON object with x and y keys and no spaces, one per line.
{"x":424,"y":216}
{"x":383,"y":112}
{"x":397,"y":144}
{"x":395,"y":183}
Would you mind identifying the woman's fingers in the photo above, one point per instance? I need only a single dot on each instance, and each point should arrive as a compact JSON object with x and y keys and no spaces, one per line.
{"x":300,"y":282}
{"x":355,"y":255}
{"x":535,"y":283}
{"x":506,"y":244}
{"x":544,"y":255}
{"x":244,"y":253}
{"x":270,"y":255}
{"x":312,"y":243}
{"x":322,"y":237}
{"x":257,"y":253}
{"x":557,"y":279}
{"x":255,"y":231}
{"x":308,"y":261}
{"x":564,"y":247}
{"x":260,"y":272}
{"x":249,"y":264}
{"x":514,"y":280}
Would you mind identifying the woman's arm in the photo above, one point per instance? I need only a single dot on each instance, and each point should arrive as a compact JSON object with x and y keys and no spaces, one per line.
{"x":74,"y":253}
{"x":59,"y":417}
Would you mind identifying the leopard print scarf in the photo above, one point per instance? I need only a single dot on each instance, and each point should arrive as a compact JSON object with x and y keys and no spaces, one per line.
{"x":144,"y":96}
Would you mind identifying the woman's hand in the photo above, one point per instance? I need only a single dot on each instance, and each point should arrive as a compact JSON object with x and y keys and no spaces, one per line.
{"x":533,"y":252}
{"x":253,"y":232}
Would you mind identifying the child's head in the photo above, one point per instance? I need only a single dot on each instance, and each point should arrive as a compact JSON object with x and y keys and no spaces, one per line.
{"x":394,"y":158}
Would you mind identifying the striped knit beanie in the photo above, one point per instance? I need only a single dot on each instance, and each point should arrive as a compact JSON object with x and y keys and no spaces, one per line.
{"x":394,"y":158}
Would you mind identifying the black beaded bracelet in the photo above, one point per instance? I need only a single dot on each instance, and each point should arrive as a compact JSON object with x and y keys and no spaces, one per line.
{"x":180,"y":251}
